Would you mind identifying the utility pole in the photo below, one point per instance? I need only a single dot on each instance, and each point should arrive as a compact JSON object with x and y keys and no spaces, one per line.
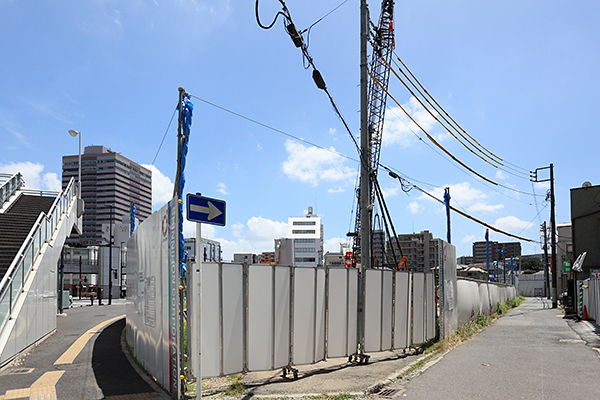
{"x":487,"y":252}
{"x":546,"y":277}
{"x":553,"y":236}
{"x":365,"y":176}
{"x":447,"y":202}
{"x":534,"y":177}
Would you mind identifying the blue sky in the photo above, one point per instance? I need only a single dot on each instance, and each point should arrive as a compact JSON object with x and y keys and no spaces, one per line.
{"x":520,"y":77}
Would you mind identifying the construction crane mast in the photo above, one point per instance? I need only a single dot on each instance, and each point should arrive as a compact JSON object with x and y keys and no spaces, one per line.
{"x":382,"y":42}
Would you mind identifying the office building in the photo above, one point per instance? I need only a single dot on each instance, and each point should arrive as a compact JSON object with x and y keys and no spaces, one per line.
{"x":422,"y":251}
{"x":211,"y":250}
{"x":511,"y":250}
{"x":307,"y":235}
{"x":110,"y":184}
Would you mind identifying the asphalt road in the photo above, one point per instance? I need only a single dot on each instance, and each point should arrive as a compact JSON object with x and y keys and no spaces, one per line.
{"x":531,"y":353}
{"x":100,"y":369}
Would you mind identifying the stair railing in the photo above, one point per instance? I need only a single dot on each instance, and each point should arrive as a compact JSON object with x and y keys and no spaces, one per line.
{"x":10,"y":186}
{"x":41,"y":232}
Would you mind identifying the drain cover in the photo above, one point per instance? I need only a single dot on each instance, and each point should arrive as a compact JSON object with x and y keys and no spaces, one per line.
{"x":21,"y":371}
{"x":388,"y":393}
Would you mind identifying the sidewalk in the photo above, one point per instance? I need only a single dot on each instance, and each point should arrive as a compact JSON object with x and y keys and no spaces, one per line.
{"x":532,"y":352}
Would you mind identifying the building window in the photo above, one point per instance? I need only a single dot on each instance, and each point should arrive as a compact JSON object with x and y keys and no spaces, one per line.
{"x":305,"y":259}
{"x":304,"y":223}
{"x":300,"y":231}
{"x":304,"y":240}
{"x":304,"y":250}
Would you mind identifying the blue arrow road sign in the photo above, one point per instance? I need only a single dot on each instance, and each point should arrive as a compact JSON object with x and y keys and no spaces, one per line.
{"x":205,"y":210}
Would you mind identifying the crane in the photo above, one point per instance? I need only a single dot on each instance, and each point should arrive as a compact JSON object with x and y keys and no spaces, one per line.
{"x":382,"y":42}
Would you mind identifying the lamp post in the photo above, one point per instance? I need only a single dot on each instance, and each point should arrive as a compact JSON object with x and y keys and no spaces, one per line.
{"x":74,"y":133}
{"x":110,"y":245}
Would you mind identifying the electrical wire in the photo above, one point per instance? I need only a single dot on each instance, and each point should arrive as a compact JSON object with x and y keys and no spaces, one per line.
{"x":274,"y":129}
{"x":452,"y":123}
{"x":164,"y":136}
{"x":464,"y":214}
{"x":431,"y":137}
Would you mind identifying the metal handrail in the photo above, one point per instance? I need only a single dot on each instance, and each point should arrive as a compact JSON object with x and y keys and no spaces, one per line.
{"x":10,"y":186}
{"x":50,"y":217}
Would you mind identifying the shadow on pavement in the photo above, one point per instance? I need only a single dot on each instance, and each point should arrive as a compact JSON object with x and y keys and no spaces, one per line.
{"x":114,"y":374}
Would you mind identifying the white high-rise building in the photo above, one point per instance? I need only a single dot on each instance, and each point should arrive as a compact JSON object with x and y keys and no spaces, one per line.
{"x":307,"y":235}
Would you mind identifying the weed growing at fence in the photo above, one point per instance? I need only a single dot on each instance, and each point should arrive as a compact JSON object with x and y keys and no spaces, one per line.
{"x":236,"y":388}
{"x":338,"y":396}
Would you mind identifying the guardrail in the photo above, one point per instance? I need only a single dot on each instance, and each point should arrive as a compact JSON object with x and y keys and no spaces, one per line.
{"x":10,"y":186}
{"x":41,"y":232}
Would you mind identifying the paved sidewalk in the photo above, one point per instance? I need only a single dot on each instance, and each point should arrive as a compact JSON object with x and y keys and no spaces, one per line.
{"x":531,"y":353}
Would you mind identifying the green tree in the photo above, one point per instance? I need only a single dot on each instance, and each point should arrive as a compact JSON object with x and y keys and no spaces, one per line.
{"x":531,"y":265}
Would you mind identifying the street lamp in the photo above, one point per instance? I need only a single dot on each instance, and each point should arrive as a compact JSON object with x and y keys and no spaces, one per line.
{"x":74,"y":133}
{"x":110,"y":245}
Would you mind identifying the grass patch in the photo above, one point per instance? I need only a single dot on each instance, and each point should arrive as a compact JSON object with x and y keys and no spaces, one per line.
{"x":236,"y":387}
{"x":338,"y":396}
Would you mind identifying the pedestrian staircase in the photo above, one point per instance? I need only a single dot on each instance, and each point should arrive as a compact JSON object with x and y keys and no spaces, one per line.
{"x":34,"y":225}
{"x":16,"y":223}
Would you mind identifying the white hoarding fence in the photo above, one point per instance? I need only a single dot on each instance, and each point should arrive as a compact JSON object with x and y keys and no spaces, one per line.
{"x":263,"y":317}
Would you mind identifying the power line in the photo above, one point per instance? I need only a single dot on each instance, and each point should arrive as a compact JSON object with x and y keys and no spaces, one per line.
{"x":274,"y":129}
{"x":165,"y":135}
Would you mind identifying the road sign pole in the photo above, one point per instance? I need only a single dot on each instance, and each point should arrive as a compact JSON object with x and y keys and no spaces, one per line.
{"x":197,"y":317}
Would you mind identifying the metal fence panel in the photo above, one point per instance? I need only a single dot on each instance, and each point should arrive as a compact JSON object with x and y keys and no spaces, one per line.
{"x":233,"y":308}
{"x":320,"y":316}
{"x":431,"y":305}
{"x":260,"y":317}
{"x":282,"y":317}
{"x":337,"y":337}
{"x":386,"y":310}
{"x":352,"y":310}
{"x":418,"y":333}
{"x":401,"y":320}
{"x":373,"y":310}
{"x":304,"y":316}
{"x":211,"y":321}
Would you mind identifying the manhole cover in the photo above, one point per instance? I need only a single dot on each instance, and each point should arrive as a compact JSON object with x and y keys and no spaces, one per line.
{"x":388,"y":393}
{"x":21,"y":371}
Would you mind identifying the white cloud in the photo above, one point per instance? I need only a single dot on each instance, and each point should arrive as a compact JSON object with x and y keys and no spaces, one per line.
{"x":257,"y":236}
{"x":390,"y":192}
{"x":469,"y":238}
{"x":338,"y":189}
{"x":51,"y":182}
{"x":501,"y":175}
{"x":398,"y":128}
{"x":414,"y":207}
{"x":162,"y":187}
{"x":333,"y":245}
{"x":464,"y":196}
{"x":512,"y":224}
{"x":32,"y":175}
{"x":312,"y":165}
{"x":222,"y":188}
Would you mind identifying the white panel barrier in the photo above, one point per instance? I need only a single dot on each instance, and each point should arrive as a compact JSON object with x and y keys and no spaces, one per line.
{"x":337,"y":343}
{"x":402,"y":320}
{"x":304,"y":315}
{"x":233,"y":323}
{"x":418,"y":331}
{"x":431,"y":305}
{"x":373,"y":302}
{"x":260,"y":317}
{"x":263,"y":317}
{"x":152,"y":307}
{"x":387,"y":284}
{"x":283,"y":303}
